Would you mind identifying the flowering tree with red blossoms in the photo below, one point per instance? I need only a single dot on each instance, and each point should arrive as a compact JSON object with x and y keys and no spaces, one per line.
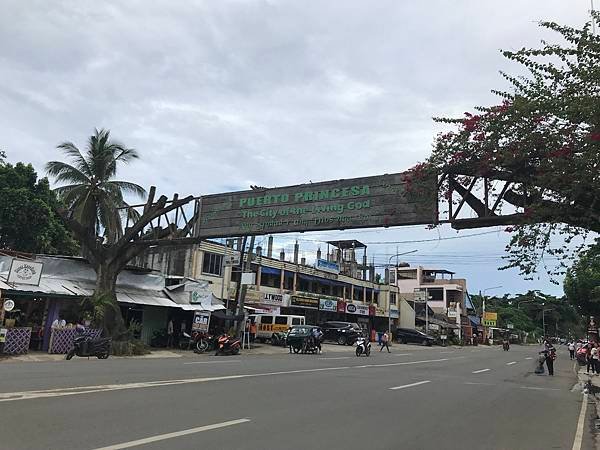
{"x":544,"y":138}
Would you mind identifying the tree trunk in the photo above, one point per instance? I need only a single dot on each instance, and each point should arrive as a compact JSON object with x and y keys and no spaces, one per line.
{"x":105,"y":298}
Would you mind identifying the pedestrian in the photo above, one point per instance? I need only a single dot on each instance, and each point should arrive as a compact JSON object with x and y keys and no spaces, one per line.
{"x":317,"y":336}
{"x":550,"y":357}
{"x":596,"y":358}
{"x":588,"y":357}
{"x":170,"y":333}
{"x":385,"y":342}
{"x":252,"y":331}
{"x":572,"y":350}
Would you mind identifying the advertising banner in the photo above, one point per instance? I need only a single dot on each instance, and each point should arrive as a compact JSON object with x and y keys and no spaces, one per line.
{"x":323,"y":264}
{"x":353,"y":308}
{"x":25,"y":272}
{"x":305,"y":302}
{"x":201,"y":321}
{"x":326,"y":304}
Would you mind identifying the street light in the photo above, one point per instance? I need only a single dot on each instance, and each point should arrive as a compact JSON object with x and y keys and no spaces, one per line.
{"x":483,"y":300}
{"x":396,"y":278}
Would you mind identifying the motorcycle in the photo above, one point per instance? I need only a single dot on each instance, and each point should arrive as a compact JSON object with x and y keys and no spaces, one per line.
{"x":227,"y":345}
{"x":203,"y":342}
{"x":86,"y":346}
{"x":505,"y":345}
{"x":363,"y":347}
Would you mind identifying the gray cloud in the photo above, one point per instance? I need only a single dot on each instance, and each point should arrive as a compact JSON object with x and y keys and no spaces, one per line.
{"x":218,"y":95}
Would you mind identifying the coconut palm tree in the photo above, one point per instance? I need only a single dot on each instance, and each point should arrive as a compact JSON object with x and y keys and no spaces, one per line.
{"x":92,"y":196}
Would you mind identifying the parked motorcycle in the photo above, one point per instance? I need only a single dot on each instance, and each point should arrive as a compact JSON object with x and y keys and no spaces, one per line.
{"x":203,"y":342}
{"x":363,"y":347}
{"x":86,"y":346}
{"x":228,"y":345}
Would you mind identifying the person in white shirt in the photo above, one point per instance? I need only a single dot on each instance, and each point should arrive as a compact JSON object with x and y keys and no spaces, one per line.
{"x":572,"y":350}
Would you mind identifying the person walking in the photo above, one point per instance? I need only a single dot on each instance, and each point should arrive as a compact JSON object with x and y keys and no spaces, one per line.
{"x":550,"y":357}
{"x":596,"y":358}
{"x":385,"y":342}
{"x":572,"y":350}
{"x":588,"y":357}
{"x":170,"y":333}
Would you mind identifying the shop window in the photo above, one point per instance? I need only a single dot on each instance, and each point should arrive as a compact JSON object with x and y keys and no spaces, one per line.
{"x":357,"y":294}
{"x":281,"y":320}
{"x":376,"y":297}
{"x":392,"y":298}
{"x":212,"y":263}
{"x":303,"y":285}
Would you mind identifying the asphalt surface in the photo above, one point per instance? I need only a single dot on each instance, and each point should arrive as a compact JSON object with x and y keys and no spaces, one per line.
{"x":412,"y":398}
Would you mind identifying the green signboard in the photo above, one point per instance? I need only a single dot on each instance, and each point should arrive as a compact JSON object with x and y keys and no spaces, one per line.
{"x":378,"y":201}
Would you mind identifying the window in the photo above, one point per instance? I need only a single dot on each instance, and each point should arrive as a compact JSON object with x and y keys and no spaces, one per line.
{"x":212,"y":263}
{"x":393,"y":276}
{"x":407,"y":275}
{"x":436,"y":294}
{"x":296,"y":321}
{"x":392,"y":298}
{"x":266,"y":319}
{"x":281,"y":320}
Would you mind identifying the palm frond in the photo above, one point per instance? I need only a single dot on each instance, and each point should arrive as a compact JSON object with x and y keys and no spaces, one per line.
{"x":64,"y":172}
{"x":74,"y":153}
{"x":127,"y":187}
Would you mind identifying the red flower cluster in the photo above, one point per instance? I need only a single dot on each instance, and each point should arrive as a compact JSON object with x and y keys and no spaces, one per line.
{"x":565,"y":151}
{"x":471,"y":122}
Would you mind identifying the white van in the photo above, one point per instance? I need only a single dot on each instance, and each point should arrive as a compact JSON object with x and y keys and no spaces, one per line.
{"x":267,"y":324}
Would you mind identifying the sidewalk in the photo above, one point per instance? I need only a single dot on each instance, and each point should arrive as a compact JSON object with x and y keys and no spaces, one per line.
{"x":42,"y":356}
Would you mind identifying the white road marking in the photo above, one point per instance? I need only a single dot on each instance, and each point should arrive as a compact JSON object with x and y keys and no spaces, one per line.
{"x":162,"y":437}
{"x":213,"y":362}
{"x":511,"y":363}
{"x":580,"y":424}
{"x":539,"y":388}
{"x":481,"y":371}
{"x":62,"y":392}
{"x":402,"y":354}
{"x":478,"y":384}
{"x":529,"y":357}
{"x":445,"y":353}
{"x":409,"y":385}
{"x":337,"y":357}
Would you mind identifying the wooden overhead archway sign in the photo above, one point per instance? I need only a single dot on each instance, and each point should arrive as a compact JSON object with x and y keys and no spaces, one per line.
{"x":376,"y":201}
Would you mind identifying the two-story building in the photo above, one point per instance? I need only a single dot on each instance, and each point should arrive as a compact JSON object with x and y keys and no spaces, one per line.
{"x":444,"y":294}
{"x":335,"y":287}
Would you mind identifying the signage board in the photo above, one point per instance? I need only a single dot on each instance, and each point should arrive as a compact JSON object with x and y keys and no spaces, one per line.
{"x":361,"y":310}
{"x":433,"y":326}
{"x":327,"y":266}
{"x":232,"y":260}
{"x":510,"y":326}
{"x":25,"y":272}
{"x":489,"y":323}
{"x":380,"y":312}
{"x":490,"y":316}
{"x":248,"y":278}
{"x":420,"y":296}
{"x":376,"y":201}
{"x":9,"y":305}
{"x":201,"y":294}
{"x":274,"y":299}
{"x":394,"y":313}
{"x":452,"y":313}
{"x":305,"y":302}
{"x":201,"y":321}
{"x":326,"y":304}
{"x":341,"y":306}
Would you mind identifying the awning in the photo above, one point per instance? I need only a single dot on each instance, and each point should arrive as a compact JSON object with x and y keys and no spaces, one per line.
{"x":199,"y":307}
{"x":138,"y":299}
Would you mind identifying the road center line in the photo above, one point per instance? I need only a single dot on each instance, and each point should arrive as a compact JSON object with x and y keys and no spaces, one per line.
{"x":529,"y":357}
{"x":62,"y":392}
{"x":212,"y":362}
{"x":580,"y":424}
{"x":533,"y":388}
{"x":443,"y":353}
{"x":511,"y":363}
{"x":481,"y":371}
{"x":402,"y":354}
{"x":162,"y":437}
{"x":337,"y":357}
{"x":409,"y":385}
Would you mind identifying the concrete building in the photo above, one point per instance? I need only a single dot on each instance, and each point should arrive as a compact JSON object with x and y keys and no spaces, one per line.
{"x":338,"y":286}
{"x":445,"y":294}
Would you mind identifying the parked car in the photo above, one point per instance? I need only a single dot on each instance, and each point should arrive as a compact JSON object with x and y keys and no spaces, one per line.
{"x":410,"y":336}
{"x":344,"y":333}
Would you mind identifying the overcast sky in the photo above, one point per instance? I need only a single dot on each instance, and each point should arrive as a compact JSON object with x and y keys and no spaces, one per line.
{"x":223,"y":94}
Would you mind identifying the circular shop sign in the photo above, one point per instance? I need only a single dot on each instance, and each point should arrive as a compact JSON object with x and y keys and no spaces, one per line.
{"x":351,"y":308}
{"x":9,"y":305}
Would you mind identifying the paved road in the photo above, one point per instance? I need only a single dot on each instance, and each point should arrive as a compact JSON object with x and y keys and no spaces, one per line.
{"x":413,"y":398}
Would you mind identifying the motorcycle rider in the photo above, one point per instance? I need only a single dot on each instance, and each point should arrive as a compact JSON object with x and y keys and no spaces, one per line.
{"x":317,"y":335}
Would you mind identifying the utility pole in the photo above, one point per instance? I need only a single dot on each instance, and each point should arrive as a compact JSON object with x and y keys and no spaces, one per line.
{"x":247,"y":265}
